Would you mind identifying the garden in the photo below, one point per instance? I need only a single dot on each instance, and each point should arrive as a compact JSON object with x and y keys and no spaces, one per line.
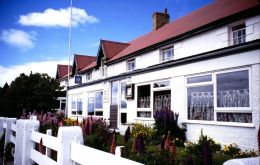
{"x":162,"y":143}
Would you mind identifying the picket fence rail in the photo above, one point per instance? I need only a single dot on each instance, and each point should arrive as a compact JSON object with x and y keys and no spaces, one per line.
{"x":68,"y":145}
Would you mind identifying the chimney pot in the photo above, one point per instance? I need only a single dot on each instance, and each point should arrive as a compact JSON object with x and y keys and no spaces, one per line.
{"x":160,"y":19}
{"x":165,"y":11}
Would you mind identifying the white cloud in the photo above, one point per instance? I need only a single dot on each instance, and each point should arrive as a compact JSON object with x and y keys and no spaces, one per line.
{"x":8,"y":74}
{"x":18,"y":38}
{"x":57,"y":18}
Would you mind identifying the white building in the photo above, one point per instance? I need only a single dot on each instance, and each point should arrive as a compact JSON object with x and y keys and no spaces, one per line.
{"x":205,"y":66}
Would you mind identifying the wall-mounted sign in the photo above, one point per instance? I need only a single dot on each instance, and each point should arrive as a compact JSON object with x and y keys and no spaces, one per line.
{"x":78,"y":79}
{"x":129,"y":91}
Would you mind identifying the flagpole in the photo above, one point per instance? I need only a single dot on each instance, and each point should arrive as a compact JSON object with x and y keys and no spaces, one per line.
{"x":66,"y":113}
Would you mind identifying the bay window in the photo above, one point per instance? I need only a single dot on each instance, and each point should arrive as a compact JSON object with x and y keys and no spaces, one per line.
{"x":227,"y":97}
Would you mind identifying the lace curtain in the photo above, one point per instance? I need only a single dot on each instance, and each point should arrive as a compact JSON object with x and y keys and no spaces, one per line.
{"x":143,"y":102}
{"x":233,"y":98}
{"x":201,"y":106}
{"x":161,"y":102}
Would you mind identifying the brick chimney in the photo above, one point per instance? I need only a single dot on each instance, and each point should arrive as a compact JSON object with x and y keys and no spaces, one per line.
{"x":160,"y":19}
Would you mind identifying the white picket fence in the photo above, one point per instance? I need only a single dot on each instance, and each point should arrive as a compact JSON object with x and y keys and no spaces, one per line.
{"x":68,"y":144}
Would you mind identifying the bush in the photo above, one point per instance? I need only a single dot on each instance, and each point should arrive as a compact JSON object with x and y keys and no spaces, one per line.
{"x":195,"y":150}
{"x":234,"y":151}
{"x":144,"y":131}
{"x":100,"y":137}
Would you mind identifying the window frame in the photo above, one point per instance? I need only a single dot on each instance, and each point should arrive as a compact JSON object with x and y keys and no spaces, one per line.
{"x":199,"y":84}
{"x":221,"y":109}
{"x":162,"y":50}
{"x":132,"y":60}
{"x":92,"y":94}
{"x":76,"y":98}
{"x":238,"y":38}
{"x":230,"y":31}
{"x":144,"y":110}
{"x":233,"y":109}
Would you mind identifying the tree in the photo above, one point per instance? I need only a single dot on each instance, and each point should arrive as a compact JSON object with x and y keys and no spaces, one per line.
{"x":34,"y":92}
{"x":4,"y":100}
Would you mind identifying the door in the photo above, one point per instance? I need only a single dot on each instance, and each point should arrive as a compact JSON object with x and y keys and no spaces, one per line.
{"x":162,"y":100}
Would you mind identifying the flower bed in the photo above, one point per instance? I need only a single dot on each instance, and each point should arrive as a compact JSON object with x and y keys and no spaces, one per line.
{"x":150,"y":145}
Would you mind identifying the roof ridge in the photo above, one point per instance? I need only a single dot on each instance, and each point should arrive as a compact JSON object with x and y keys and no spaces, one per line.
{"x":102,"y":40}
{"x":82,"y":55}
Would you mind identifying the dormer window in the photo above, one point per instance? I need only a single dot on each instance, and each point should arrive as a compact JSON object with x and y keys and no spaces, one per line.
{"x":166,"y":54}
{"x":131,"y":65}
{"x":239,"y":34}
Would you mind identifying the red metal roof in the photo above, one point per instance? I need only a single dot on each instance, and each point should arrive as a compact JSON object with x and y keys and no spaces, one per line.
{"x":112,"y":48}
{"x":83,"y":60}
{"x":90,"y":66}
{"x":217,"y":10}
{"x":62,"y":71}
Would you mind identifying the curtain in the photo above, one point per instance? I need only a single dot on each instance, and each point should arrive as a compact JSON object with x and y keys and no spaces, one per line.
{"x":201,"y":106}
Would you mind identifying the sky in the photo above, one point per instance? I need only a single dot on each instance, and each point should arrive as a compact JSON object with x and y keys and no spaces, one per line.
{"x":34,"y":34}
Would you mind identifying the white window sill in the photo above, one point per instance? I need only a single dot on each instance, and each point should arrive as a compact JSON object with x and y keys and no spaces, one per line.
{"x":231,"y":124}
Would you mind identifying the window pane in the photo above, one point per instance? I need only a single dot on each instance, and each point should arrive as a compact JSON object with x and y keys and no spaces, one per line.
{"x":91,"y":102}
{"x":73,"y":103}
{"x":200,"y":103}
{"x":199,"y":79}
{"x":167,"y":54}
{"x":131,"y":65}
{"x":144,"y":114}
{"x":114,"y":93}
{"x":144,"y":93}
{"x":79,"y":103}
{"x":233,"y":89}
{"x":123,"y":99}
{"x":99,"y":100}
{"x":235,"y":117}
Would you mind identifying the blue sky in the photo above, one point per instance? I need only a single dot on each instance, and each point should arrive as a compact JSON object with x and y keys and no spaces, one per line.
{"x":34,"y":33}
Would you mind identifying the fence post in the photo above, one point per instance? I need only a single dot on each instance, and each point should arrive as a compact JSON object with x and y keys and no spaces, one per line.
{"x":66,"y":136}
{"x":23,"y":143}
{"x":120,"y":151}
{"x":8,"y":130}
{"x":48,"y":150}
